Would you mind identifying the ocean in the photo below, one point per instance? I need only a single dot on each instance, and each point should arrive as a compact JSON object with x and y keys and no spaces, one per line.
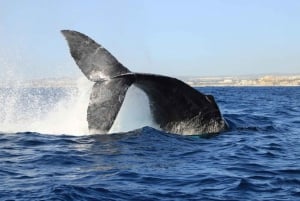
{"x":46,"y":152}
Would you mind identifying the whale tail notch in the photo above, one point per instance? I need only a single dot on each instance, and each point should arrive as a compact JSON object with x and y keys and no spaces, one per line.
{"x":94,"y":61}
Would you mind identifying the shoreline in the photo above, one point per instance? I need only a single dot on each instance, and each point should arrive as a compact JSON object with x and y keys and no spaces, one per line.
{"x":195,"y":81}
{"x":259,"y":81}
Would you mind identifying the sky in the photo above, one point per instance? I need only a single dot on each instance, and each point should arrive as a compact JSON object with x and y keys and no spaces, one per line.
{"x":170,"y":37}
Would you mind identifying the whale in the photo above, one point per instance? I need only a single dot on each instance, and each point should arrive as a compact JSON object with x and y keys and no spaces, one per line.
{"x":175,"y":106}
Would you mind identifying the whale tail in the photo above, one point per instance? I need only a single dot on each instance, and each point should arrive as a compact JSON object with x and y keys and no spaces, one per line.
{"x":94,"y":61}
{"x":176,"y":107}
{"x":99,"y":66}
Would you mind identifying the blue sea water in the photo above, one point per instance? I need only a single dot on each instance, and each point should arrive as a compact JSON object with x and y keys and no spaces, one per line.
{"x":257,"y":159}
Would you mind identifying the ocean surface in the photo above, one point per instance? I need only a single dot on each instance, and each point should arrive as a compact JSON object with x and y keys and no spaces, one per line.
{"x":46,"y":152}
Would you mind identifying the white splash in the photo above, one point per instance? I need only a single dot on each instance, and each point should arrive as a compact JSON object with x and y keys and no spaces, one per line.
{"x":21,"y":112}
{"x":135,"y":112}
{"x":69,"y":115}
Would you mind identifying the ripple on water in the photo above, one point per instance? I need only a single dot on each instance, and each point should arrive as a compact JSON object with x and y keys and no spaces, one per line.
{"x":256,"y":159}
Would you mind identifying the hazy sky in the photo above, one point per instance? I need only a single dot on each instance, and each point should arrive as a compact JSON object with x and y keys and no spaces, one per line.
{"x":172,"y":37}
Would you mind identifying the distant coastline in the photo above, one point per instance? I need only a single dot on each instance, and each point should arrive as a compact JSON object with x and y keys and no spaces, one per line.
{"x":264,"y":80}
{"x":195,"y":81}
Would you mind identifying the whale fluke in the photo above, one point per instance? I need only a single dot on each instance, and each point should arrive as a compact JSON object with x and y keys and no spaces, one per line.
{"x":105,"y":102}
{"x":94,"y":61}
{"x":175,"y":106}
